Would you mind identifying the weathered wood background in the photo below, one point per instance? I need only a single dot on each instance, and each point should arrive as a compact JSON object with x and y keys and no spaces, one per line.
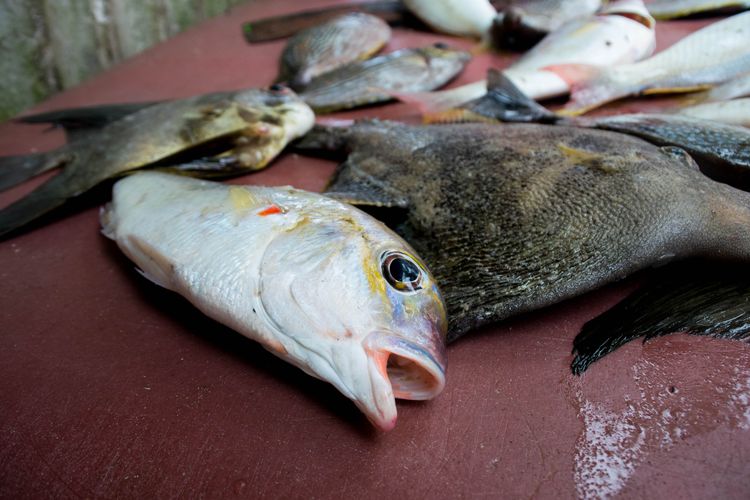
{"x":49,"y":45}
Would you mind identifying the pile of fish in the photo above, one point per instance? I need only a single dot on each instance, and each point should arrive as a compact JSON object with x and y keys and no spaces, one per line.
{"x":487,"y":220}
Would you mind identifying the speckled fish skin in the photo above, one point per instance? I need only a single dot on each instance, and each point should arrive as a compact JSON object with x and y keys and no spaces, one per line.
{"x":521,"y":23}
{"x":735,"y":112}
{"x":256,"y":125}
{"x":671,"y":9}
{"x":704,"y":58}
{"x":300,"y":273}
{"x":343,"y":40}
{"x":455,"y":17}
{"x":512,"y":218}
{"x":722,"y":150}
{"x":377,"y":79}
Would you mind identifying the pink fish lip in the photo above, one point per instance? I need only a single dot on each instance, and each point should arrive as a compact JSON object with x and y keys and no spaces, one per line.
{"x":415,"y":371}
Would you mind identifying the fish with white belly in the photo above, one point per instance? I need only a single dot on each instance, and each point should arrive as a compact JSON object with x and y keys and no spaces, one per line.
{"x":317,"y":282}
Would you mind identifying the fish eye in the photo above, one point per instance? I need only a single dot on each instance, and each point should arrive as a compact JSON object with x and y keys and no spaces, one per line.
{"x":401,"y":272}
{"x":440,"y":45}
{"x":277,"y":87}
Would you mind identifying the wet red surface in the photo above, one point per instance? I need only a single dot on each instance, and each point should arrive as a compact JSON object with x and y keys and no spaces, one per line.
{"x":110,"y":386}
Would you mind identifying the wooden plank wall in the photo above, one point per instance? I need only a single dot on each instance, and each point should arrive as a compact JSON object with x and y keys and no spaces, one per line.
{"x":49,"y":45}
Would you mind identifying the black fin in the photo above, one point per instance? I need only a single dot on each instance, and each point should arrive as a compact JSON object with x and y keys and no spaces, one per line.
{"x":700,"y":299}
{"x":323,"y":138}
{"x":16,"y":169}
{"x":505,"y":102}
{"x":86,"y":117}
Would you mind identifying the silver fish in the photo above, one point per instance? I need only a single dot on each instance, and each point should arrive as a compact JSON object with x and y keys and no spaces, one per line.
{"x":317,"y":282}
{"x":735,"y":112}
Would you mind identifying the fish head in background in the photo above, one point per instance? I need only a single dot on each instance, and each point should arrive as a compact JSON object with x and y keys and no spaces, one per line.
{"x":274,"y":117}
{"x":317,"y":282}
{"x":362,"y":309}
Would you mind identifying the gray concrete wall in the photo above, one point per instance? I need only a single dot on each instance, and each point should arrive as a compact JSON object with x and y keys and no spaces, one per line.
{"x":49,"y":45}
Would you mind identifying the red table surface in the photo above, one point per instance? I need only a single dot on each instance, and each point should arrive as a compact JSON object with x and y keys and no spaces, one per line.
{"x":113,"y":387}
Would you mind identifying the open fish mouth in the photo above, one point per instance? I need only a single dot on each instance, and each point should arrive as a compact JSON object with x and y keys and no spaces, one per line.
{"x":398,"y":368}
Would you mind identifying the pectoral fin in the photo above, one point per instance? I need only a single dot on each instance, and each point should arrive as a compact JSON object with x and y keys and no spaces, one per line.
{"x":354,"y":184}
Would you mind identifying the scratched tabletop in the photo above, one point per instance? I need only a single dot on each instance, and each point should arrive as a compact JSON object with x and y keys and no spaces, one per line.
{"x":113,"y":387}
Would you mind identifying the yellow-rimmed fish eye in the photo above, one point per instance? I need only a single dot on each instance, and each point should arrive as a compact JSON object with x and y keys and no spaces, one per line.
{"x":401,"y":272}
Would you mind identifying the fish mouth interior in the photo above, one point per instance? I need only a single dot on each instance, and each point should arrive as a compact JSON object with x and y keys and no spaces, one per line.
{"x":412,"y":371}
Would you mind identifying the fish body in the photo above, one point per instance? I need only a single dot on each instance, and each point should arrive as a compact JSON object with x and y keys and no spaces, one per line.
{"x":732,"y":89}
{"x":455,"y":17}
{"x":325,"y":47}
{"x":512,"y":218}
{"x":735,"y":112}
{"x":521,"y":23}
{"x":377,"y":79}
{"x":671,"y":9}
{"x":253,"y":125}
{"x":622,"y":33}
{"x":704,"y":58}
{"x":318,"y":283}
{"x":722,"y":150}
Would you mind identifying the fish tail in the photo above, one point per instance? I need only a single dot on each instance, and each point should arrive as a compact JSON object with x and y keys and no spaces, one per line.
{"x":43,"y":199}
{"x":713,"y":301}
{"x":590,"y":87}
{"x":16,"y":169}
{"x":435,"y":102}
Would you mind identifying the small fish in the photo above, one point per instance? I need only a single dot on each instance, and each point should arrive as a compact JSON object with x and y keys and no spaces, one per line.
{"x":378,"y":79}
{"x":699,"y":298}
{"x":672,"y":9}
{"x":273,"y":28}
{"x":522,"y":23}
{"x":239,"y":131}
{"x":512,"y":218}
{"x":622,"y":33}
{"x":702,"y":59}
{"x":318,"y":283}
{"x":325,"y":47}
{"x":455,"y":17}
{"x":735,"y":112}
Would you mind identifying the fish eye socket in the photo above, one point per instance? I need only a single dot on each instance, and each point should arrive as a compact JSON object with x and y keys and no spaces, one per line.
{"x":401,"y":272}
{"x":277,"y":87}
{"x":440,"y":45}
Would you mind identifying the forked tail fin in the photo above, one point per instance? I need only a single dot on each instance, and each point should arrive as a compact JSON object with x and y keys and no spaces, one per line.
{"x":16,"y":169}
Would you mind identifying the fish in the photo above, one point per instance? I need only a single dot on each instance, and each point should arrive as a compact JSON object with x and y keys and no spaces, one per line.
{"x":622,"y":32}
{"x":471,"y":18}
{"x":276,"y":27}
{"x":720,"y":150}
{"x":378,"y":79}
{"x":316,"y":282}
{"x":699,"y":298}
{"x":224,"y":133}
{"x":671,"y":9}
{"x":515,"y":217}
{"x":345,"y":39}
{"x":735,"y":112}
{"x":522,"y":23}
{"x":704,"y":58}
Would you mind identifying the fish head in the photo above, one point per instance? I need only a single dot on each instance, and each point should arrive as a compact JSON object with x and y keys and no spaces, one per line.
{"x":354,"y":305}
{"x":443,"y":60}
{"x":273,"y":118}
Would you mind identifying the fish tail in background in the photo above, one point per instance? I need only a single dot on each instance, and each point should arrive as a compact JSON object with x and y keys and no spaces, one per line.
{"x":434,"y":102}
{"x":85,"y":117}
{"x":16,"y":169}
{"x":43,"y":199}
{"x":504,"y":101}
{"x":695,"y":298}
{"x":590,"y":87}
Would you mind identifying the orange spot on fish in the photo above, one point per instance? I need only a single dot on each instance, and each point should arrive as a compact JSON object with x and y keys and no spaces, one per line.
{"x":273,"y":209}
